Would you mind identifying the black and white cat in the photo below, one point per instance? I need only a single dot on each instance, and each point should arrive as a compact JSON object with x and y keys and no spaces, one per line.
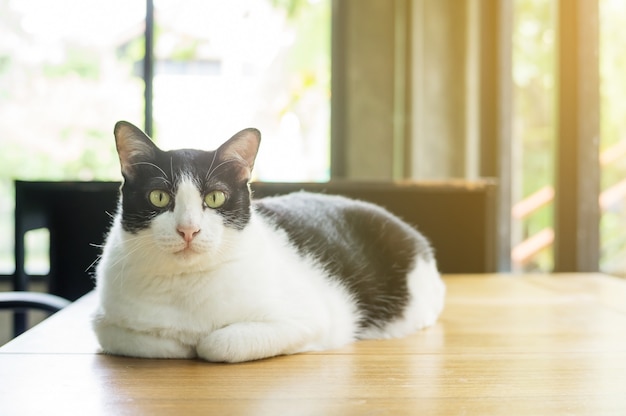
{"x":192,"y":267}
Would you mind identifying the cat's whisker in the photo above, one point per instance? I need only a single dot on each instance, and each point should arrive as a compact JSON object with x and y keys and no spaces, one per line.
{"x":218,"y":166}
{"x":172,"y":166}
{"x":120,"y":277}
{"x":166,"y":178}
{"x":138,"y":243}
{"x":93,"y":263}
{"x":208,"y":174}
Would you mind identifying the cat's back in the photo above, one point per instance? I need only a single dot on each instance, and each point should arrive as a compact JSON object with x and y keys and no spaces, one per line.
{"x":318,"y":213}
{"x":345,"y":234}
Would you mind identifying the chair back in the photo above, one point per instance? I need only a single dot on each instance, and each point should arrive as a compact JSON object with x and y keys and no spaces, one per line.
{"x":77,"y":216}
{"x":458,"y":217}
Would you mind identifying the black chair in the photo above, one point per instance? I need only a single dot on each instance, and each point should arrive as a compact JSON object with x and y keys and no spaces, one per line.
{"x":77,"y":215}
{"x":23,"y":301}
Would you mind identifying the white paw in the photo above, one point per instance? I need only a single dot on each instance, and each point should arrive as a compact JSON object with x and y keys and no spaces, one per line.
{"x":246,"y":341}
{"x":225,"y":345}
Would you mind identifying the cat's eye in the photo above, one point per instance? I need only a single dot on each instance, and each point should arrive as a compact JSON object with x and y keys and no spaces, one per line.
{"x":159,"y":199}
{"x":215,"y":199}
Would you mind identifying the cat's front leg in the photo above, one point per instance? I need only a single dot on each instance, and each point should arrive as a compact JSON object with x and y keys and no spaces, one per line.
{"x":247,"y":341}
{"x":118,"y":340}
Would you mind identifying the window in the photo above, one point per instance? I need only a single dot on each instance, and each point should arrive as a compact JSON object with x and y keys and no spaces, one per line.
{"x":222,"y":66}
{"x":535,"y":127}
{"x":67,"y":74}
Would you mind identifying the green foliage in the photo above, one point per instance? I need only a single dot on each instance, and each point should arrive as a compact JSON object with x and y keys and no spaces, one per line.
{"x":186,"y":52}
{"x":5,"y":63}
{"x":133,"y":51}
{"x":292,"y":7}
{"x":533,"y":73}
{"x":313,"y":47}
{"x":612,"y":70}
{"x":79,"y":61}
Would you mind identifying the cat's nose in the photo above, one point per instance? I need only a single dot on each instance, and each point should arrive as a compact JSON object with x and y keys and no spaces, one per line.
{"x":188,"y":233}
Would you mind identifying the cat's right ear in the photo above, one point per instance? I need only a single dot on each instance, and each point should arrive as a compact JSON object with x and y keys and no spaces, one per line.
{"x":133,"y":147}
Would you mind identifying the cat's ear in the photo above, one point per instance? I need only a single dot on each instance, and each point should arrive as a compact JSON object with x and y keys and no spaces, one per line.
{"x":243,"y":146}
{"x":133,"y":146}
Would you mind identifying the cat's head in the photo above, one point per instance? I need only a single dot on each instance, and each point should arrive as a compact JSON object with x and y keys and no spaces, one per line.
{"x":184,"y":201}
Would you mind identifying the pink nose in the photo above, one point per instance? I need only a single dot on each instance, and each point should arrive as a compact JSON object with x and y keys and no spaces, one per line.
{"x":188,"y":233}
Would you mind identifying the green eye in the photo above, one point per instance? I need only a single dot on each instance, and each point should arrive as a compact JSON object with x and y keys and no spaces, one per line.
{"x":159,"y":199}
{"x":215,"y":199}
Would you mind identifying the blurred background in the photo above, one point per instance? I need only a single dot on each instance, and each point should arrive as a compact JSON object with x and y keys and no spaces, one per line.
{"x":406,"y":78}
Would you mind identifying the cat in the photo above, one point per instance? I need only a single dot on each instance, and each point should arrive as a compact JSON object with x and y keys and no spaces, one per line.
{"x":193,"y":267}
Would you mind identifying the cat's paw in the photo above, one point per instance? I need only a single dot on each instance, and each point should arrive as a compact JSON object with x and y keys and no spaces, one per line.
{"x":225,"y":345}
{"x":246,"y":341}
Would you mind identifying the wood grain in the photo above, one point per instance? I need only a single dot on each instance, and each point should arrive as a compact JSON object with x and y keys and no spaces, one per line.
{"x":514,"y":345}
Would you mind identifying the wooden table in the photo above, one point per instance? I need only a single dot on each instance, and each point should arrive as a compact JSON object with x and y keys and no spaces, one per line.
{"x":514,"y":345}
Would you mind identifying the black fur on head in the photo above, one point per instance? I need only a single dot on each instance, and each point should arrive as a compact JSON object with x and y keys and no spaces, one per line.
{"x":145,"y":168}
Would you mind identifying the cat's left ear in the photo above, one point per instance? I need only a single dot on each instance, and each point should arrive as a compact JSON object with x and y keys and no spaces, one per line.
{"x":243,"y":146}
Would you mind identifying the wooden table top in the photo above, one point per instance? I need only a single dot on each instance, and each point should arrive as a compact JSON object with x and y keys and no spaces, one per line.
{"x":513,"y":345}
